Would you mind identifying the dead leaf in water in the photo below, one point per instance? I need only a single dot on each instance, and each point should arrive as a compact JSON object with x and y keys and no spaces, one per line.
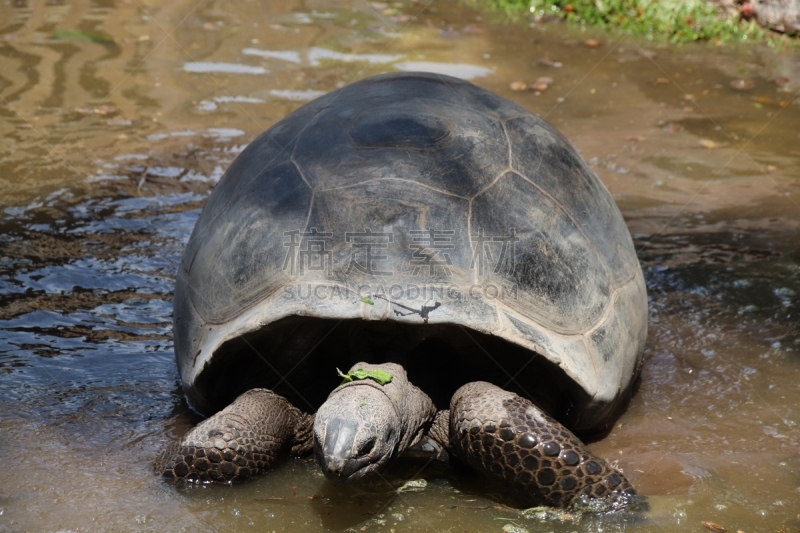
{"x":106,"y":110}
{"x":539,"y":86}
{"x":770,"y":101}
{"x":518,"y":85}
{"x":708,"y":144}
{"x":592,"y":43}
{"x":713,"y":526}
{"x":548,"y":63}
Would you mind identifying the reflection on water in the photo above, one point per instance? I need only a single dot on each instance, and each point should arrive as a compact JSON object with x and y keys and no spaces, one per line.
{"x":118,"y":117}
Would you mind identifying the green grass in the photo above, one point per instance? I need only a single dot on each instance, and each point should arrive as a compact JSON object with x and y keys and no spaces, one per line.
{"x":670,"y":20}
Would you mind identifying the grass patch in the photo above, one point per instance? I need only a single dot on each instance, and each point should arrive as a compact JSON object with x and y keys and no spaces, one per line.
{"x":671,"y":20}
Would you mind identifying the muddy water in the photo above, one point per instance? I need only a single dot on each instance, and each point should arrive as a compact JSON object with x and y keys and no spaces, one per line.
{"x":118,"y":117}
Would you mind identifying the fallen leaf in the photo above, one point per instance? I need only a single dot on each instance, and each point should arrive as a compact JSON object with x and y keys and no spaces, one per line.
{"x":713,"y":526}
{"x":73,"y":35}
{"x":548,"y":63}
{"x":106,"y":110}
{"x":770,"y":101}
{"x":518,"y":85}
{"x":707,"y":143}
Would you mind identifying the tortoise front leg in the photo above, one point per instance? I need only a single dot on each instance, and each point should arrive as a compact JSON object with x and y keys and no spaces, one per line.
{"x":241,"y":441}
{"x":509,"y":439}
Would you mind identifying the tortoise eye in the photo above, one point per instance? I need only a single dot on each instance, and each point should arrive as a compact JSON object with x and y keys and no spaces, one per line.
{"x":366,"y":447}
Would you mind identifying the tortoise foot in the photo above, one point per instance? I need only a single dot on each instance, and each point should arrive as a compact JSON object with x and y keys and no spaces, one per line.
{"x":241,"y":441}
{"x":510,"y":440}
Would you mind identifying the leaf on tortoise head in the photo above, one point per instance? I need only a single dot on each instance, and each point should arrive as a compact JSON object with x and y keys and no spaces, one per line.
{"x":381,"y":377}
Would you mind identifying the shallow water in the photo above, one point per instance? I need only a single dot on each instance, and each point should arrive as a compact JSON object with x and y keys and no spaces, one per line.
{"x":118,"y":118}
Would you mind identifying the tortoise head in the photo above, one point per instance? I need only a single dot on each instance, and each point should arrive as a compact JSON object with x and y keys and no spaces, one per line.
{"x":356,"y":432}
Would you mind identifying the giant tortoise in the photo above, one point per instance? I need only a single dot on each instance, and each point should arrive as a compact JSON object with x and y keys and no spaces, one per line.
{"x":450,"y":249}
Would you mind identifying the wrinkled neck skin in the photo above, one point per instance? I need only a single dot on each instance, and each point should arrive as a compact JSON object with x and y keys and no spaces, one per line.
{"x":363,"y":425}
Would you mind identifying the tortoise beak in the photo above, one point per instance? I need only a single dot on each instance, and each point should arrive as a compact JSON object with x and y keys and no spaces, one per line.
{"x":335,"y":453}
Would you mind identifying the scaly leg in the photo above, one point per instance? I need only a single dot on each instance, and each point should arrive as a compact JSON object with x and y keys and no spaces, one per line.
{"x":239,"y":442}
{"x":509,"y":439}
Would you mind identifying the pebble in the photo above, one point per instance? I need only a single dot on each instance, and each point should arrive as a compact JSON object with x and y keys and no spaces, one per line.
{"x":743,"y":84}
{"x":671,"y":127}
{"x":541,"y":85}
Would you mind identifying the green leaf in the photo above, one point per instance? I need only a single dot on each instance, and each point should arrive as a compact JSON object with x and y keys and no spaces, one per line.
{"x":367,"y":301}
{"x":381,"y":377}
{"x":73,"y":35}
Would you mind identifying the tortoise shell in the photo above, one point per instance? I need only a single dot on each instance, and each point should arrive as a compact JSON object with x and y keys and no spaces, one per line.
{"x":413,"y":217}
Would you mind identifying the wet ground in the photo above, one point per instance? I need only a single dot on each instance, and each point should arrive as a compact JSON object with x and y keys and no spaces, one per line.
{"x":116,"y":120}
